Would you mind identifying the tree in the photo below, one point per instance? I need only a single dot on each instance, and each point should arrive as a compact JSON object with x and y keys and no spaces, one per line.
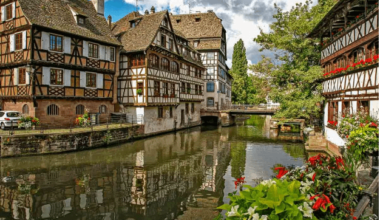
{"x":296,"y":81}
{"x":239,"y":73}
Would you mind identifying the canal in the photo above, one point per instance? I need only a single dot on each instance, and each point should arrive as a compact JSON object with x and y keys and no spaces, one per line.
{"x":183,"y":175}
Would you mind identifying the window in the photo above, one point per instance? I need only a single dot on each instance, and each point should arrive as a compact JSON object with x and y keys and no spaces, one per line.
{"x":171,"y":112}
{"x":196,"y":43}
{"x":9,"y":11}
{"x":165,"y":64}
{"x":112,"y":55}
{"x":137,"y":60}
{"x":188,"y":70}
{"x":210,"y":55}
{"x":133,"y":24}
{"x":333,"y":111}
{"x":165,"y":22}
{"x":183,"y":87}
{"x":210,"y":102}
{"x":170,"y":44}
{"x":373,"y":49}
{"x":93,"y":50}
{"x":79,"y":110}
{"x":56,"y":77}
{"x":178,"y":20}
{"x":346,"y":108}
{"x":25,"y":109}
{"x":188,"y":88}
{"x":174,"y":67}
{"x":21,"y":76}
{"x":364,"y":106}
{"x":103,"y":109}
{"x":210,"y":71}
{"x":153,"y":61}
{"x":192,"y":108}
{"x":156,"y":88}
{"x":187,"y":108}
{"x":18,"y":41}
{"x":339,"y":63}
{"x":210,"y":87}
{"x":80,"y":20}
{"x":173,"y":90}
{"x":357,"y":55}
{"x":166,"y":88}
{"x":56,"y":43}
{"x":90,"y":79}
{"x":197,"y":19}
{"x":140,"y":85}
{"x":160,"y":112}
{"x":52,"y":109}
{"x":196,"y":89}
{"x":163,"y":40}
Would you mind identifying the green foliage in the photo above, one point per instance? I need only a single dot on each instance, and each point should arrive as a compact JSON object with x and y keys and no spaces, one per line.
{"x":351,"y":122}
{"x":273,"y":199}
{"x":107,"y":137}
{"x":139,"y":91}
{"x":243,"y":90}
{"x":363,"y":141}
{"x":295,"y":80}
{"x":84,"y":121}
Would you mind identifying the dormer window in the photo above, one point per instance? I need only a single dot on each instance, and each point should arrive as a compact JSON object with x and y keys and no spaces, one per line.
{"x":178,"y":21}
{"x":133,"y":24}
{"x":196,"y":43}
{"x":165,"y":23}
{"x":197,"y":19}
{"x":81,"y":20}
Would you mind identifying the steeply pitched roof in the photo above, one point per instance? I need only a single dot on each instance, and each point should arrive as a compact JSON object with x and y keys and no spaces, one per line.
{"x":57,"y":15}
{"x":209,"y":44}
{"x":207,"y":26}
{"x":123,"y":25}
{"x":140,"y":37}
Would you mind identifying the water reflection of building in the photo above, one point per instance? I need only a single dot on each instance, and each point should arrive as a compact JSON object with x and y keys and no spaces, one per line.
{"x":155,"y":180}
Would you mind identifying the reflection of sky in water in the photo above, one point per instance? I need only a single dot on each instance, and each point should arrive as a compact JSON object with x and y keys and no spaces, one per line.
{"x":260,"y":158}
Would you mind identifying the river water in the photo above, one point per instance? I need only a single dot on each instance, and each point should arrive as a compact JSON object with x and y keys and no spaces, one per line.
{"x":183,"y":175}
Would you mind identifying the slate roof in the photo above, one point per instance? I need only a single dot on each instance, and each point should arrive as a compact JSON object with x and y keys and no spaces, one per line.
{"x":209,"y":26}
{"x":140,"y":37}
{"x":57,"y":15}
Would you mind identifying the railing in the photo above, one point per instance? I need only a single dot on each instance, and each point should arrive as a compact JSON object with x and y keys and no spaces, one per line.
{"x":255,"y":107}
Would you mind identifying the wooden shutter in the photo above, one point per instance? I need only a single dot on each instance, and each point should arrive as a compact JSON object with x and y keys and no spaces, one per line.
{"x":82,"y":79}
{"x":24,"y":40}
{"x":67,"y":77}
{"x":99,"y":81}
{"x":85,"y":49}
{"x":3,"y":14}
{"x":14,"y":9}
{"x":12,"y":42}
{"x":15,"y":76}
{"x":108,"y":54}
{"x":102,"y":52}
{"x":45,"y":41}
{"x":67,"y":45}
{"x":46,"y":75}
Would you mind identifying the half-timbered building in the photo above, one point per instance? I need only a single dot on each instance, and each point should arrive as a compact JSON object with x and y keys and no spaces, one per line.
{"x":57,"y":59}
{"x":160,"y":73}
{"x":207,"y":35}
{"x":349,"y":56}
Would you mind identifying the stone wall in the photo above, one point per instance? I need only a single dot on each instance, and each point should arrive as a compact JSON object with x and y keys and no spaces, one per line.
{"x":24,"y":145}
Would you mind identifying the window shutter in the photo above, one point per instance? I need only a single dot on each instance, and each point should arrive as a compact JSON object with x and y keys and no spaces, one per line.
{"x":46,"y":75}
{"x":67,"y":78}
{"x":15,"y":76}
{"x":14,"y":9}
{"x":45,"y":41}
{"x":85,"y":49}
{"x":82,"y":79}
{"x":108,"y":53}
{"x":102,"y":52}
{"x":27,"y":78}
{"x":99,"y":81}
{"x":67,"y":45}
{"x":12,"y":42}
{"x":2,"y":14}
{"x":24,"y":40}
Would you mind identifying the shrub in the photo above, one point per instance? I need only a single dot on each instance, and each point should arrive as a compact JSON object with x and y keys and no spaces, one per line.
{"x":28,"y":121}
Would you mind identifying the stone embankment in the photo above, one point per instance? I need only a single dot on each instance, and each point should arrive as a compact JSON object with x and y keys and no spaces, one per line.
{"x":318,"y":144}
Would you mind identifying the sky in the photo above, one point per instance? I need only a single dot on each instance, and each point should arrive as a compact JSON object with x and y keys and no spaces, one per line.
{"x":241,"y":18}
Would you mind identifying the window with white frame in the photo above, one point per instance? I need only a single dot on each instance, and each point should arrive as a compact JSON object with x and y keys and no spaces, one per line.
{"x":91,"y":80}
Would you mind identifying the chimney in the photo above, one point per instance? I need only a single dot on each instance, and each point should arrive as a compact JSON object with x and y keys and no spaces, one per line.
{"x":146,"y":12}
{"x":99,"y":6}
{"x":152,"y":10}
{"x":109,"y":20}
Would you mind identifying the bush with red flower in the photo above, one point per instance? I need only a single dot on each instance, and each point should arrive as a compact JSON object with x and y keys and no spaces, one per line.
{"x":350,"y":122}
{"x":83,"y":120}
{"x":358,"y":64}
{"x":28,"y":121}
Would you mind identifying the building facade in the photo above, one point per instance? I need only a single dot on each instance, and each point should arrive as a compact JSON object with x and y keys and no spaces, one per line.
{"x":349,"y":38}
{"x":207,"y":35}
{"x":160,"y":73}
{"x":58,"y":59}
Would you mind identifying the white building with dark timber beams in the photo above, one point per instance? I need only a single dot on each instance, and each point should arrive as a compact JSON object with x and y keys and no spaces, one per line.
{"x":161,"y":75}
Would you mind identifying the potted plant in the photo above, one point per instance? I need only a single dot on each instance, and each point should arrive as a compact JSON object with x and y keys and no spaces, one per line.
{"x":188,"y":90}
{"x":165,"y":95}
{"x":139,"y":91}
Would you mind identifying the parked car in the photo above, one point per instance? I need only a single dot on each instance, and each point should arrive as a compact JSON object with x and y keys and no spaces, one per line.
{"x":9,"y":119}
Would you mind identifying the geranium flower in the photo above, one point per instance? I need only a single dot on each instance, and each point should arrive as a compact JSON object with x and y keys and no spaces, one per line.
{"x":373,"y":124}
{"x":315,"y":174}
{"x":339,"y":162}
{"x":239,"y":181}
{"x":281,"y":172}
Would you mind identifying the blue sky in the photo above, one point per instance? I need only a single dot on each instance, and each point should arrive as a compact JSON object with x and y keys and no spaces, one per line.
{"x":241,"y":18}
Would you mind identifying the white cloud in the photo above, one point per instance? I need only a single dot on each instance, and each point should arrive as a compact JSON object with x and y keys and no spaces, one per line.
{"x":241,"y":18}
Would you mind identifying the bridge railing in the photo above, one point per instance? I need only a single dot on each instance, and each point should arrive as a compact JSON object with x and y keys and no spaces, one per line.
{"x":255,"y":107}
